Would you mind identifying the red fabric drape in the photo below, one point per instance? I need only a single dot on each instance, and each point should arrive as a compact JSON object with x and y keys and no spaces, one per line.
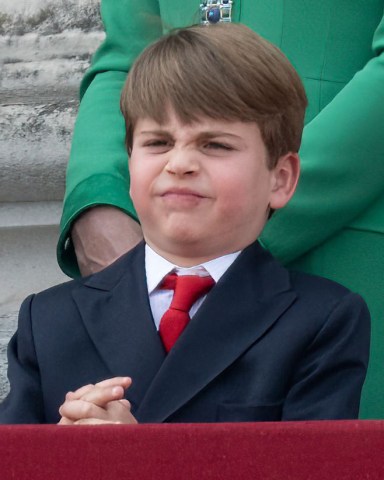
{"x":282,"y":451}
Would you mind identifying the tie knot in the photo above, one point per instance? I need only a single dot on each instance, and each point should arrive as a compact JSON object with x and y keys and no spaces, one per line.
{"x":187,"y":288}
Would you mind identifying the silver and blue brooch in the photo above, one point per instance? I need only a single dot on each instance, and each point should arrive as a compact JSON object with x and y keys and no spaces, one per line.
{"x":215,"y":11}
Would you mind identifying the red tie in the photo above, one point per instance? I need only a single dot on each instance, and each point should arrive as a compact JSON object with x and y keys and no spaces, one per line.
{"x":188,"y":288}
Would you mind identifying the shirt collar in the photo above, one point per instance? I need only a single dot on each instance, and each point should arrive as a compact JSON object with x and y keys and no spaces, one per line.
{"x":156,"y":267}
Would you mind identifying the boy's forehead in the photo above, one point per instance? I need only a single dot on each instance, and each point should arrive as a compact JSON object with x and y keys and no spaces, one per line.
{"x":202,"y":124}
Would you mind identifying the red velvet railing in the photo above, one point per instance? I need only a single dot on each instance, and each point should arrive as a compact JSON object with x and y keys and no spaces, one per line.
{"x":282,"y":451}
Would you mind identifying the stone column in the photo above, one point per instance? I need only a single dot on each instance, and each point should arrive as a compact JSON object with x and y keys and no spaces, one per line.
{"x":45,"y":47}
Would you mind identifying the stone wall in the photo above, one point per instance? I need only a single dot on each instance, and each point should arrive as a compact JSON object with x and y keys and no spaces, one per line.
{"x":43,"y":55}
{"x":45,"y":47}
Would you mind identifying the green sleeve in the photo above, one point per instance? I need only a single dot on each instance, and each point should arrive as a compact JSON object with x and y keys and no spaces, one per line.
{"x":342,"y":164}
{"x":98,"y":166}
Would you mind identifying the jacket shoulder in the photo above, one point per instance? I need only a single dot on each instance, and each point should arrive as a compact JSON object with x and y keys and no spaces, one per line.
{"x":106,"y":279}
{"x":319,"y":290}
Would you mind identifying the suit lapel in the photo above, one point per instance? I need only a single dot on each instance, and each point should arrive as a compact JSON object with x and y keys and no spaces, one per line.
{"x":245,"y":303}
{"x":115,"y":309}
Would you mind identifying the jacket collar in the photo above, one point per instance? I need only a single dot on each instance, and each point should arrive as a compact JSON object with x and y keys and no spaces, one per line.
{"x":114,"y":307}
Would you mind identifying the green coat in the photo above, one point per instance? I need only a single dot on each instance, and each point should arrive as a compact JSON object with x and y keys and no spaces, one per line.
{"x":334,"y":226}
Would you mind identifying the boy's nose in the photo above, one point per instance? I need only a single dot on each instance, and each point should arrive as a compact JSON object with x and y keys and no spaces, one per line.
{"x":182,"y":162}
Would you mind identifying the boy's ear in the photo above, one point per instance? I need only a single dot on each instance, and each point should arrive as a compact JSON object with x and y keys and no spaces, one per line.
{"x":284,"y":180}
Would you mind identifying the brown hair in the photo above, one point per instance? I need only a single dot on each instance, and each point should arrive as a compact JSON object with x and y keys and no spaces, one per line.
{"x":223,"y":71}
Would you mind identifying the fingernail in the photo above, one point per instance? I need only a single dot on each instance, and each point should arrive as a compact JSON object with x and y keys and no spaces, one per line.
{"x":116,"y":391}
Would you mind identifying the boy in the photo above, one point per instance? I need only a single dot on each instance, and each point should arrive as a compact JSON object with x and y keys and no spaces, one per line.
{"x":214,"y":117}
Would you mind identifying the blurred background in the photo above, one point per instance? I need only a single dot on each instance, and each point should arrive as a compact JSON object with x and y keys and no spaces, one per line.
{"x":45,"y":47}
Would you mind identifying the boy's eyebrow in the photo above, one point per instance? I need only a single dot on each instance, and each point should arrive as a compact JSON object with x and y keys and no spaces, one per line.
{"x":154,"y":132}
{"x":218,"y":133}
{"x":204,"y":134}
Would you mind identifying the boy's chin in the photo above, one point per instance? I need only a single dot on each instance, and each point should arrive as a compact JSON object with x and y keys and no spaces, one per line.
{"x":186,"y":245}
{"x":185,"y":252}
{"x":177,"y":235}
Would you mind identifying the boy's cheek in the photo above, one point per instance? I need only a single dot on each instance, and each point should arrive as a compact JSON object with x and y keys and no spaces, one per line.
{"x":132,"y":193}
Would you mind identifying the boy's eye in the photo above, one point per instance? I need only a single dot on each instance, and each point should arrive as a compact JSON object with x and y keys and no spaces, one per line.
{"x":156,"y":143}
{"x":218,"y":146}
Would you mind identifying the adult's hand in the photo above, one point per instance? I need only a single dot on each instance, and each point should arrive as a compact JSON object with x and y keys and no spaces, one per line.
{"x":103,"y":403}
{"x":101,"y":235}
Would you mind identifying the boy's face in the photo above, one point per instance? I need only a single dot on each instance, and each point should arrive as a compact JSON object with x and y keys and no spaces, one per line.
{"x":203,"y":190}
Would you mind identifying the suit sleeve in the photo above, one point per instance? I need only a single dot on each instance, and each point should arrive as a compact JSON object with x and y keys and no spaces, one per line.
{"x":24,"y":403}
{"x":330,"y":375}
{"x":342,"y":158}
{"x":98,"y":166}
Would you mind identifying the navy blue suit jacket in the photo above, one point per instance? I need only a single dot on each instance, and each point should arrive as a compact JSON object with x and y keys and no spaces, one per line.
{"x":266,"y":344}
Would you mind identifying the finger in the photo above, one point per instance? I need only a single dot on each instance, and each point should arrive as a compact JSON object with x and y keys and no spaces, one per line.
{"x":77,"y":394}
{"x":95,"y":421}
{"x":120,"y":411}
{"x":124,"y":382}
{"x":84,"y":413}
{"x":77,"y":409}
{"x":65,"y":421}
{"x":125,"y":402}
{"x":101,"y":396}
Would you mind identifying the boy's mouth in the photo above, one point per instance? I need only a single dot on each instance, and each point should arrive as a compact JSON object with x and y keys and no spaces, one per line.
{"x":182,"y":197}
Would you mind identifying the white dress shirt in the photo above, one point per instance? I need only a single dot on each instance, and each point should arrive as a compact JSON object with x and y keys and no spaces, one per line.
{"x":157,"y":267}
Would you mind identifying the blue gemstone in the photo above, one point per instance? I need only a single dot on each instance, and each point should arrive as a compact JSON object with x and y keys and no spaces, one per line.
{"x":213,"y":15}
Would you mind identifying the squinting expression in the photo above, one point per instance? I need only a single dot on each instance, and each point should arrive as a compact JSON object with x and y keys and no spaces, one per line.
{"x":201,"y":190}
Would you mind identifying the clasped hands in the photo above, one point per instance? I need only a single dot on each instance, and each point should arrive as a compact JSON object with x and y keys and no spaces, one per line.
{"x":102,"y":403}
